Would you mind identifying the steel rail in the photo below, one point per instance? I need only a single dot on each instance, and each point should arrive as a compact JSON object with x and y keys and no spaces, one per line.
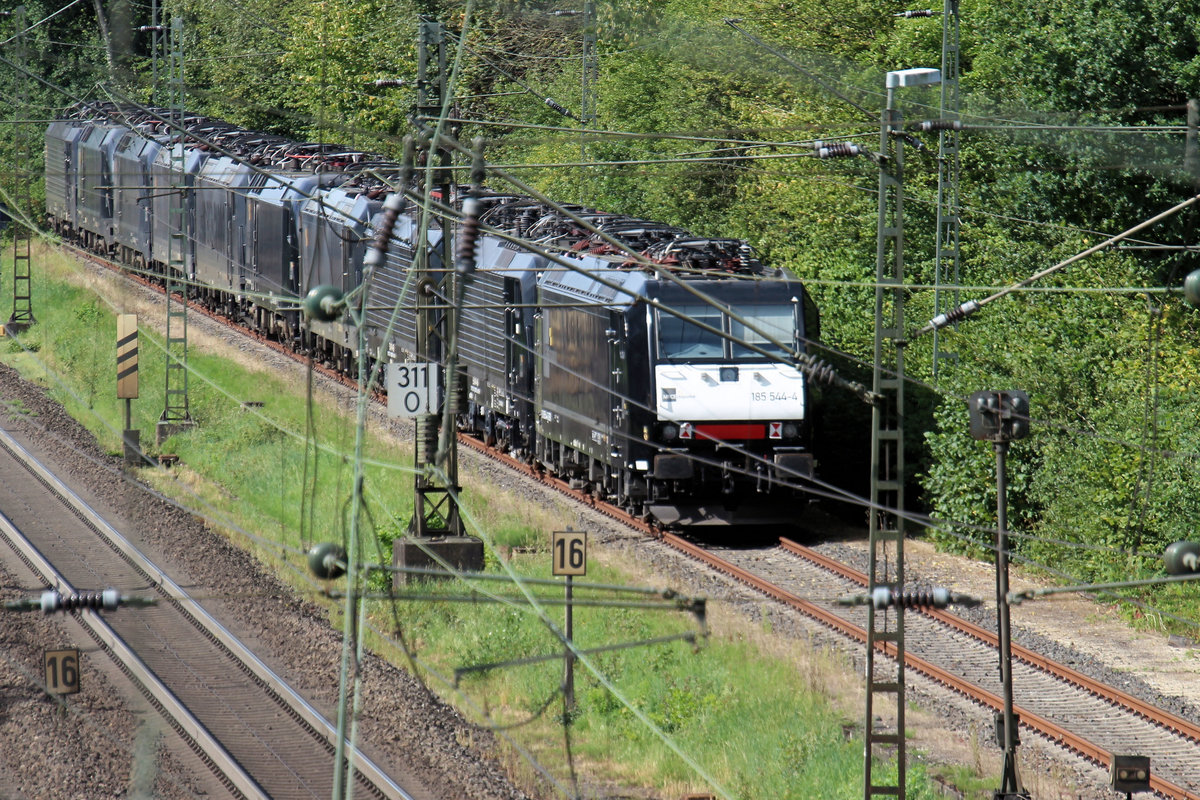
{"x":1032,"y":721}
{"x":1138,"y":706}
{"x":228,"y":770}
{"x":267,"y":677}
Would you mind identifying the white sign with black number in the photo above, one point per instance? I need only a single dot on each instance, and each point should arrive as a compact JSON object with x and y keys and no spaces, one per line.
{"x":412,"y":389}
{"x":568,"y":552}
{"x":62,"y":670}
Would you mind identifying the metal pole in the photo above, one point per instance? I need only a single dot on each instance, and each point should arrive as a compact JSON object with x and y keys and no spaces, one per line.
{"x":1011,"y":781}
{"x":22,"y":309}
{"x":589,"y":72}
{"x":156,"y":43}
{"x":946,"y":264}
{"x":179,"y":267}
{"x":435,"y":447}
{"x":569,"y":677}
{"x":884,"y":678}
{"x":1191,"y":152}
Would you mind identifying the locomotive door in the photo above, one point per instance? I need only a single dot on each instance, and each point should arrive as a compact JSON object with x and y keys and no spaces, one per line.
{"x":618,"y":415}
{"x":70,"y":168}
{"x":237,"y":237}
{"x":516,"y":354}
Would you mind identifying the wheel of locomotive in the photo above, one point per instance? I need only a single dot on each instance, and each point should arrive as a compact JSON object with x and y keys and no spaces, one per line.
{"x":489,"y":428}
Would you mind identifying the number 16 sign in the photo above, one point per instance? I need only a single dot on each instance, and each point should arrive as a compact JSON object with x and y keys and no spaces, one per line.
{"x":568,"y":550}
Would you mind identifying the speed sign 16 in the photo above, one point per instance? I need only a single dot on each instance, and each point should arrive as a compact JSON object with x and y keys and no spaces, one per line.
{"x":568,"y":551}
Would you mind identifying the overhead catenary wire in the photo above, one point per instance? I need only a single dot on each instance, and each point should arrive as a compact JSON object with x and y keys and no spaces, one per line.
{"x":40,"y":22}
{"x":917,"y":518}
{"x":972,"y":306}
{"x":1064,"y":427}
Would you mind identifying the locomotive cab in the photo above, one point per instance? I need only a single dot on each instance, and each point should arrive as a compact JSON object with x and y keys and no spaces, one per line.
{"x":726,"y":422}
{"x":677,"y":401}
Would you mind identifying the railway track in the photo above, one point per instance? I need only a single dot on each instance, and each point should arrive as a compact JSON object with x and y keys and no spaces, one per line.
{"x":1053,"y":700}
{"x":261,"y":738}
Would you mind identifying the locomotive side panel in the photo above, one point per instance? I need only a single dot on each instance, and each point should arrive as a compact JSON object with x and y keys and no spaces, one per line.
{"x":333,"y":236}
{"x":575,"y":392}
{"x":391,"y":296}
{"x":62,"y":168}
{"x":131,"y":201}
{"x":94,"y":211}
{"x":216,"y":220}
{"x":272,"y":238}
{"x":174,"y":206}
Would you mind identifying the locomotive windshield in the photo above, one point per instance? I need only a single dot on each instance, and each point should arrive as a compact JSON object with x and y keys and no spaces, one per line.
{"x":683,"y":340}
{"x":770,"y":322}
{"x":679,"y":339}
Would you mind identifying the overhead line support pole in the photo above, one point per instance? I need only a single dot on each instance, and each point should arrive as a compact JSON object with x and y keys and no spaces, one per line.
{"x":589,"y":75}
{"x":435,"y":513}
{"x":947,"y":266}
{"x":176,"y":415}
{"x":22,"y":309}
{"x":885,"y":679}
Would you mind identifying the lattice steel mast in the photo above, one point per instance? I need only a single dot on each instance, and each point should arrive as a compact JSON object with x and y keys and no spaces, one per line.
{"x":434,"y":509}
{"x":946,"y":266}
{"x":176,"y":414}
{"x":885,"y":676}
{"x":22,"y":309}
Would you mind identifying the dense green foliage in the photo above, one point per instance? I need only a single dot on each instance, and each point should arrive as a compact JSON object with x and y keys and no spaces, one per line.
{"x":1067,"y":101}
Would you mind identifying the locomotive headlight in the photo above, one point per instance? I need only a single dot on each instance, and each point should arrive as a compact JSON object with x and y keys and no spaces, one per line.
{"x":790,"y":430}
{"x":669,"y":432}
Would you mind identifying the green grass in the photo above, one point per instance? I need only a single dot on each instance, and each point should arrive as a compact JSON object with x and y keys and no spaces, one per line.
{"x":753,"y":713}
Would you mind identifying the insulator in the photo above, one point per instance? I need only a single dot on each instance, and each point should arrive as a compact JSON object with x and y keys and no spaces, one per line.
{"x":923,"y":12}
{"x":468,"y":237}
{"x":1191,"y":287}
{"x":478,"y":171}
{"x":839,"y":150}
{"x":386,"y":82}
{"x":1182,"y":558}
{"x":324,"y":303}
{"x":557,"y":106}
{"x":819,"y":371}
{"x":955,"y":315}
{"x":886,"y":597}
{"x":377,"y":254}
{"x":929,"y":125}
{"x":327,"y":561}
{"x":427,"y":439}
{"x":458,"y":394}
{"x":53,"y":601}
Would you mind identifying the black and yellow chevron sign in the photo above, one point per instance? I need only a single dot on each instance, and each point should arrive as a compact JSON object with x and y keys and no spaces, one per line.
{"x":127,"y":356}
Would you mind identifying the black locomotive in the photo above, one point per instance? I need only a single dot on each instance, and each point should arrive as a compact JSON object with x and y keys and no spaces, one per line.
{"x":573,"y":353}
